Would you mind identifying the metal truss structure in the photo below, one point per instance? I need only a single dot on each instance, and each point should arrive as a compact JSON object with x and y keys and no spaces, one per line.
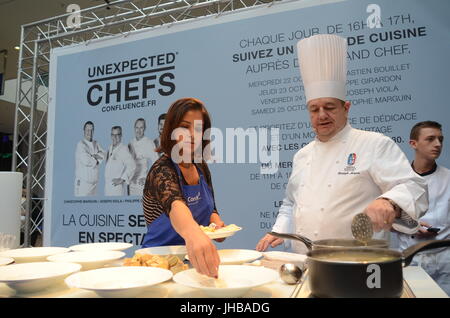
{"x":80,"y":27}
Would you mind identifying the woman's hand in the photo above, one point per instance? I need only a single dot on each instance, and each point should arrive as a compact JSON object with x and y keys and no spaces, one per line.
{"x":203,"y":253}
{"x":201,"y":250}
{"x":215,"y":218}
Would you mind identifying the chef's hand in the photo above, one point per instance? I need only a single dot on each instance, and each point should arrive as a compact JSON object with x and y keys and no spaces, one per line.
{"x":203,"y":254}
{"x":382,"y":213}
{"x":423,"y":233}
{"x":97,"y":157}
{"x":215,"y":218}
{"x":117,"y":181}
{"x":267,"y":240}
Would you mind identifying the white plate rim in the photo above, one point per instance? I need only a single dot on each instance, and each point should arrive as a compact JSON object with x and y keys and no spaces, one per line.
{"x":97,"y":246}
{"x":12,"y":253}
{"x":289,"y":256}
{"x":215,"y":235}
{"x":137,"y":268}
{"x":268,"y":270}
{"x":181,"y":249}
{"x":244,"y":260}
{"x":6,"y":260}
{"x":15,"y":281}
{"x":54,"y":258}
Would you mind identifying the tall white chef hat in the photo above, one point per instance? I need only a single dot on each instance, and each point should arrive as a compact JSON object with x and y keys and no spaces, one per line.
{"x":323,"y":66}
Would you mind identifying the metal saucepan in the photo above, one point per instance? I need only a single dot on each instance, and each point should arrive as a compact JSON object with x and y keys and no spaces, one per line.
{"x":331,"y":243}
{"x":361,"y":272}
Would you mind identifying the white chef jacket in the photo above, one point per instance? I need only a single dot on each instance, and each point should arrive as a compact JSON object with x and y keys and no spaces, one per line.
{"x":143,"y":152}
{"x":119,"y":164}
{"x":87,"y":167}
{"x":436,"y":262}
{"x":333,"y":181}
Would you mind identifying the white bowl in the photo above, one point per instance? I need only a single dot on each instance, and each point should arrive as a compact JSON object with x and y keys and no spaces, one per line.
{"x":31,"y":277}
{"x":286,"y":257}
{"x":107,"y":246}
{"x":233,"y":281}
{"x":6,"y":260}
{"x":178,"y":250}
{"x":237,"y":256}
{"x":33,"y":254}
{"x":119,"y":281}
{"x":88,"y":260}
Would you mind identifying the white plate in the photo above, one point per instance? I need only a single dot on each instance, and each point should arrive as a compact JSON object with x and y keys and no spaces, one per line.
{"x":178,"y":250}
{"x":31,"y":277}
{"x":222,"y":232}
{"x":6,"y":260}
{"x":33,"y":254}
{"x":127,"y":281}
{"x":236,"y":256}
{"x":107,"y":246}
{"x":285,"y":257}
{"x":88,"y":260}
{"x":233,"y":281}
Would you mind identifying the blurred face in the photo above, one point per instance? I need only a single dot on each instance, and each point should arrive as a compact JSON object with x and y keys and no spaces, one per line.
{"x":139,"y":129}
{"x":328,"y":116}
{"x":193,"y":123}
{"x":116,"y":137}
{"x":88,"y":132}
{"x":429,"y":143}
{"x":161,"y":125}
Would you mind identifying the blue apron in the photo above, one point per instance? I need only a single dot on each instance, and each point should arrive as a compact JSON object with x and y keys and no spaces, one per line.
{"x":199,"y":200}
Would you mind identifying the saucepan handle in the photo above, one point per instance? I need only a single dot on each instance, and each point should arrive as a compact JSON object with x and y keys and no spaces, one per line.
{"x":409,"y":253}
{"x":296,"y":237}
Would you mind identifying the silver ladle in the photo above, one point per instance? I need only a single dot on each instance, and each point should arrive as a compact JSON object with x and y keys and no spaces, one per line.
{"x":290,"y":273}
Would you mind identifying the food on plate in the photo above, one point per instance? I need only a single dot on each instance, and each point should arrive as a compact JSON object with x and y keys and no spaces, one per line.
{"x":213,"y":283}
{"x":212,"y":228}
{"x":170,"y":262}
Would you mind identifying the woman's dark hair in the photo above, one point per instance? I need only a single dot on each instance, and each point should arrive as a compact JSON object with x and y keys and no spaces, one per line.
{"x":174,"y":116}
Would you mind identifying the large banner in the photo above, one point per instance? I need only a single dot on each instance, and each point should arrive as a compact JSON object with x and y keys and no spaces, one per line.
{"x":107,"y":98}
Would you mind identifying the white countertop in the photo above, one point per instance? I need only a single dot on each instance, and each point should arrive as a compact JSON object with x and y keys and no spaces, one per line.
{"x":421,"y":284}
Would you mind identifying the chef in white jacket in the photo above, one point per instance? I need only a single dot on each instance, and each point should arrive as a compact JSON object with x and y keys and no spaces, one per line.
{"x":426,"y":139}
{"x":88,"y":156}
{"x":344,"y":171}
{"x":142,"y":150}
{"x":120,"y":165}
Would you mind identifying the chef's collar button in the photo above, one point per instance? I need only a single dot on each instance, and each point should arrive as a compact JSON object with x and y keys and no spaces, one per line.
{"x":307,"y":163}
{"x":302,"y":185}
{"x":329,"y":186}
{"x":337,"y":161}
{"x":321,"y":209}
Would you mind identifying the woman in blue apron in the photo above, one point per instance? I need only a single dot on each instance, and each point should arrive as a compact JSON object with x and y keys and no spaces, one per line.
{"x":178,"y":193}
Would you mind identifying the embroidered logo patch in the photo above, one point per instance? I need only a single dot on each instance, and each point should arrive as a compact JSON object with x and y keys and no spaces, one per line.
{"x":351,"y":159}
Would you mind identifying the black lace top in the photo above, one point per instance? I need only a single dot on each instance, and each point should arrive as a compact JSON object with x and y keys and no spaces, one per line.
{"x":162,"y":187}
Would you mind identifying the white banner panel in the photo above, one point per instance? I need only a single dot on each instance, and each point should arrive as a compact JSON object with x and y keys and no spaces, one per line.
{"x":244,"y":67}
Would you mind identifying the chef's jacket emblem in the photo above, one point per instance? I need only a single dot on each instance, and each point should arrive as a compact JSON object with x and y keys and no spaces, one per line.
{"x":351,"y":159}
{"x":350,"y":168}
